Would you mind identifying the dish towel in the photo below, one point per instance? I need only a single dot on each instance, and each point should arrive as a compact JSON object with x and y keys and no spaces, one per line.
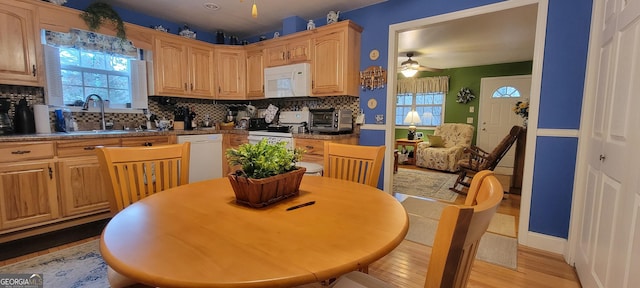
{"x":270,"y":114}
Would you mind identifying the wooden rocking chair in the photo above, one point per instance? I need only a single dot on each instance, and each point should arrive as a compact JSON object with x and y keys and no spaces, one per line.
{"x":482,"y":160}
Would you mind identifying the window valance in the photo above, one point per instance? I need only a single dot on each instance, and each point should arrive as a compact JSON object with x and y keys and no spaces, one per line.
{"x":88,"y":40}
{"x":423,"y":85}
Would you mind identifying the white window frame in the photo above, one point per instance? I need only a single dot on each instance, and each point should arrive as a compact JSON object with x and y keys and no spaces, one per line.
{"x":399,"y":121}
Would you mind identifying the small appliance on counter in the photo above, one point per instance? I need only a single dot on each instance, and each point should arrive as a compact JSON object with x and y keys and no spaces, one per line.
{"x":257,"y":124}
{"x":296,"y":119}
{"x":24,"y":120}
{"x":331,"y":120}
{"x":6,"y":127}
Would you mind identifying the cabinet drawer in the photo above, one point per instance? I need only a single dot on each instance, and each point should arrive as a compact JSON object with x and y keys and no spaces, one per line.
{"x":145,"y":141}
{"x":313,"y":147}
{"x":237,"y":140}
{"x":83,"y":147}
{"x":20,"y":151}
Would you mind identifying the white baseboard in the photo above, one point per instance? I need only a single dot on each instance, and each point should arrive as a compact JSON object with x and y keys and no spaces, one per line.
{"x":544,"y":242}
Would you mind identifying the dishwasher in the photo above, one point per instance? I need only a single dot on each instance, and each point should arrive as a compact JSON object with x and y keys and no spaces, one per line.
{"x":206,"y":156}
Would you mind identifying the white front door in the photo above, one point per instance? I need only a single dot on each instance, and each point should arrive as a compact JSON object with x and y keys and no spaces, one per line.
{"x":608,"y":221}
{"x":496,"y":115}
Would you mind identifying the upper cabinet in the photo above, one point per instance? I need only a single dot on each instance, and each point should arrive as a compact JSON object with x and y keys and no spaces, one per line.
{"x":19,"y":49}
{"x":182,"y":68}
{"x":288,"y":51}
{"x":255,"y":72}
{"x":231,"y":70}
{"x":336,"y":60}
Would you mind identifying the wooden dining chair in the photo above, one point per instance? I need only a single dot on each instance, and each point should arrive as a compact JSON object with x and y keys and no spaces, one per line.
{"x":456,"y":241}
{"x":138,"y":172}
{"x":355,"y":163}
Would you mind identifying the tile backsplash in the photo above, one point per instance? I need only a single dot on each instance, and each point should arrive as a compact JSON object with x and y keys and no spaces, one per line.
{"x":216,"y":109}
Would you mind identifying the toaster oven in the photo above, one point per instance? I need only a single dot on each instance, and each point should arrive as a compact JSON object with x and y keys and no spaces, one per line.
{"x":331,"y":120}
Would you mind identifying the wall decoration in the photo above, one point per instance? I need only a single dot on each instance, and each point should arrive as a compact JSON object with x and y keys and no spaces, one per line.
{"x":465,"y":95}
{"x":374,"y":77}
{"x":374,"y":54}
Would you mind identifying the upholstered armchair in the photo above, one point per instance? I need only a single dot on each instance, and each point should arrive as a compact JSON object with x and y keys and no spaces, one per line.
{"x":445,"y":147}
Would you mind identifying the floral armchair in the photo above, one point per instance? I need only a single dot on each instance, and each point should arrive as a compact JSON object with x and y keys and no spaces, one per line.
{"x":444,"y":152}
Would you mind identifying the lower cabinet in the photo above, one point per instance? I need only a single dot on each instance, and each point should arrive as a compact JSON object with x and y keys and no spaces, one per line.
{"x":83,"y":189}
{"x":315,"y":147}
{"x":27,"y":193}
{"x":231,"y":141}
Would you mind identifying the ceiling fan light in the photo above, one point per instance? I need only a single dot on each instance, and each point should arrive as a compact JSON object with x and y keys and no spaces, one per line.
{"x":409,"y":72}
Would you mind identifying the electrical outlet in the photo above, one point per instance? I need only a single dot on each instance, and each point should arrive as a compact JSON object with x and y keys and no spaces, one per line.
{"x":472,"y":109}
{"x":470,"y":120}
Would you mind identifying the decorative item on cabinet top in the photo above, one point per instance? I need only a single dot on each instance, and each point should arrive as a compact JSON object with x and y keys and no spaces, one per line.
{"x":186,"y":32}
{"x":374,"y":77}
{"x":58,"y":2}
{"x":159,"y":28}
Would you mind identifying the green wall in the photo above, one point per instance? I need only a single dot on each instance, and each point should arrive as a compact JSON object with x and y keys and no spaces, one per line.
{"x":468,"y":77}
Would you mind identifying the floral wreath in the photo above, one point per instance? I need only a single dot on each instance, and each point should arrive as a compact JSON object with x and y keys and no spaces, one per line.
{"x":465,"y":95}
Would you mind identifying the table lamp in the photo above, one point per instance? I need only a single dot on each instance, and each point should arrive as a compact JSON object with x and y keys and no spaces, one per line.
{"x":412,"y":119}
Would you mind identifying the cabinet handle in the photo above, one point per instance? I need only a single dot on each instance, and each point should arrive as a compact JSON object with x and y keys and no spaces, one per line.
{"x":89,"y":148}
{"x":191,"y":86}
{"x":219,"y":89}
{"x":20,"y":152}
{"x":185,"y":86}
{"x":34,"y":70}
{"x":308,"y":147}
{"x":147,"y":144}
{"x":288,"y":54}
{"x":283,"y":56}
{"x":50,"y":173}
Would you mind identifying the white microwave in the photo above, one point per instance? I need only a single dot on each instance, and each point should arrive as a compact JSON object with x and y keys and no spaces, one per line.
{"x":287,"y":81}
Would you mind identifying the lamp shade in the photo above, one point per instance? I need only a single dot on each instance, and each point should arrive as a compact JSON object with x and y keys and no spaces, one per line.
{"x":412,"y":118}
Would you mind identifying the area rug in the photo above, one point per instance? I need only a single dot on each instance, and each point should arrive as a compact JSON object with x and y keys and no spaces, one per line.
{"x":74,"y":267}
{"x":494,"y":248}
{"x":422,"y":183}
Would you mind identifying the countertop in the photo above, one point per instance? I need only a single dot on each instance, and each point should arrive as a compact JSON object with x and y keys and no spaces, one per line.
{"x":140,"y":133}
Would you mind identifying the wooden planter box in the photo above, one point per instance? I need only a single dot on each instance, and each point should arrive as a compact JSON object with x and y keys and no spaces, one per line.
{"x":258,"y":193}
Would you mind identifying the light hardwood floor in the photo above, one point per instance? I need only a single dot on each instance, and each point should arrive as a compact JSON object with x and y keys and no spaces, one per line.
{"x":406,"y":266}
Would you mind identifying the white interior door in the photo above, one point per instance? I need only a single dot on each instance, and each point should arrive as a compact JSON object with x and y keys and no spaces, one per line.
{"x":609,"y":223}
{"x":496,"y":117}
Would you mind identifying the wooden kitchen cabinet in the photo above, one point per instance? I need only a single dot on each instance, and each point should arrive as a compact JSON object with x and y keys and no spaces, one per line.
{"x":82,"y":187}
{"x":288,"y":51}
{"x":315,"y":147}
{"x":147,"y":141}
{"x":27,"y":185}
{"x":231,"y":72}
{"x":182,"y":68}
{"x":231,"y":141}
{"x":20,"y":46}
{"x":336,"y":60}
{"x":255,"y":73}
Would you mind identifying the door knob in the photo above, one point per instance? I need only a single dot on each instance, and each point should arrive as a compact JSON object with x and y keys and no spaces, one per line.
{"x":602,"y":157}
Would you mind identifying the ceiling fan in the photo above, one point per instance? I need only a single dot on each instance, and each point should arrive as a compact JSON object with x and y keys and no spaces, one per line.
{"x":410,"y":67}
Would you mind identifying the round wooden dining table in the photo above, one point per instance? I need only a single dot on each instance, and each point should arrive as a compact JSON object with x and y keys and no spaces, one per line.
{"x":196,"y":235}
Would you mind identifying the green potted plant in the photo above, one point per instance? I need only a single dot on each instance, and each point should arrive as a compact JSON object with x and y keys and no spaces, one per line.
{"x":268,"y":173}
{"x":97,"y":12}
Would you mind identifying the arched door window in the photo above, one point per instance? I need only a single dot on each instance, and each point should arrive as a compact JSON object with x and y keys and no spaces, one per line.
{"x":506,"y":92}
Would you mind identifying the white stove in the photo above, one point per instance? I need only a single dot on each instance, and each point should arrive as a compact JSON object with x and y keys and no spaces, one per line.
{"x":272,"y":137}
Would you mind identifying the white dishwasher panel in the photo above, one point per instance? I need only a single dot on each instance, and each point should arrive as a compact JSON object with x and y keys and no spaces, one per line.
{"x":206,"y":156}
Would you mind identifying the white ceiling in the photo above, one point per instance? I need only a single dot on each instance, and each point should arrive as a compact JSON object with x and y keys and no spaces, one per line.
{"x":234,"y":16}
{"x":498,"y":37}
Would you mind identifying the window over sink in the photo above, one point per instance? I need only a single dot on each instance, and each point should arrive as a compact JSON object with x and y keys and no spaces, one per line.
{"x":80,"y":63}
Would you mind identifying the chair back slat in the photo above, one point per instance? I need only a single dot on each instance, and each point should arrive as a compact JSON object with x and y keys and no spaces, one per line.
{"x":361,"y":164}
{"x":139,"y":172}
{"x":459,"y":231}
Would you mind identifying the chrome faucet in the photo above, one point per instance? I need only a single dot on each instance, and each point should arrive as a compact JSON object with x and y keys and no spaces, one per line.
{"x":86,"y":107}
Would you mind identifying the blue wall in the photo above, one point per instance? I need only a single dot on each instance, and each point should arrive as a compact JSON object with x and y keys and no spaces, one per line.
{"x":563,"y":74}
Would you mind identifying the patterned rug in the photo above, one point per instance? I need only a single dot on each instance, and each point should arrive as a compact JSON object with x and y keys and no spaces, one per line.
{"x":494,"y":248}
{"x":427,"y":184}
{"x":75,"y":267}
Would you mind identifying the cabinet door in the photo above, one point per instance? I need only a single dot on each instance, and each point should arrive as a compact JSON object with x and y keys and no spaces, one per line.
{"x":83,"y":189}
{"x":27,"y":194}
{"x":328,"y":60}
{"x":231,"y":73}
{"x":275,"y":55}
{"x":314,"y":150}
{"x":170,"y":67}
{"x":18,"y":49}
{"x":299,"y":50}
{"x":231,"y":141}
{"x":201,"y":69}
{"x":255,"y":74}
